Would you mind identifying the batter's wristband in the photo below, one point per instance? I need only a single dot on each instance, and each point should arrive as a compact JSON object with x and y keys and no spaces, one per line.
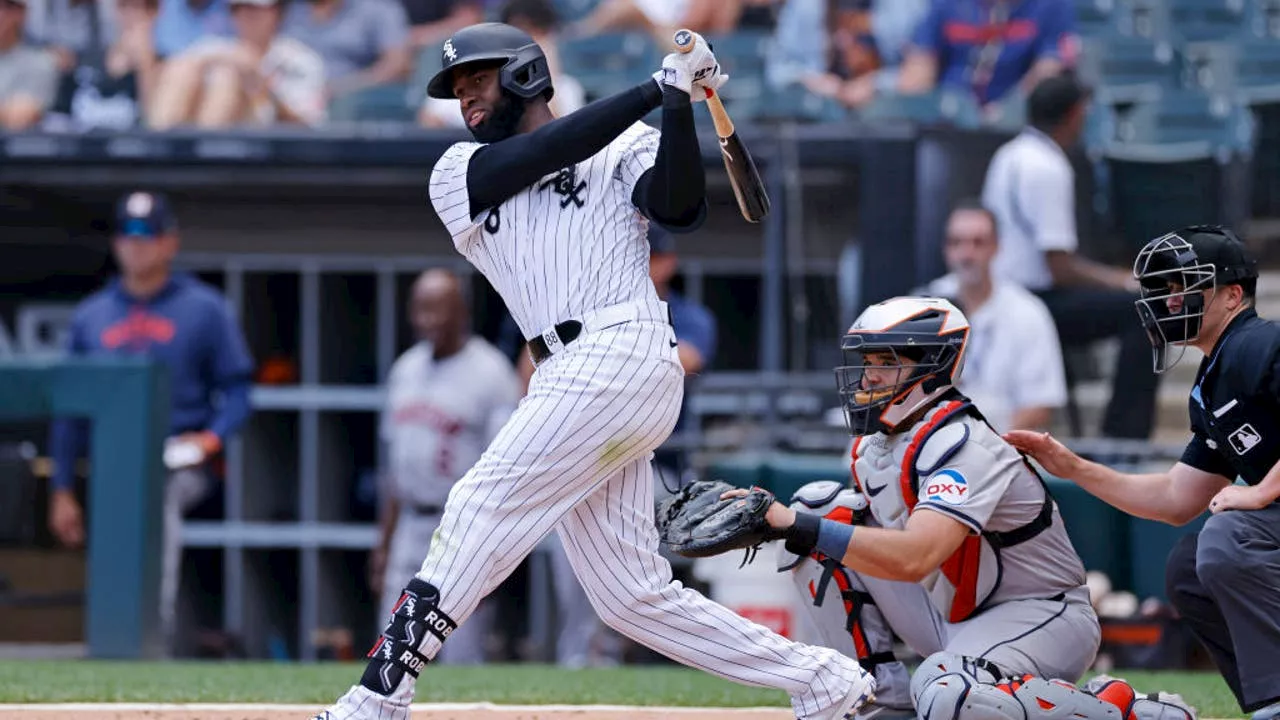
{"x":802,"y":536}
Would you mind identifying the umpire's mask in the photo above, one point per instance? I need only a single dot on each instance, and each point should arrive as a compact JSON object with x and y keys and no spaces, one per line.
{"x":1174,"y":271}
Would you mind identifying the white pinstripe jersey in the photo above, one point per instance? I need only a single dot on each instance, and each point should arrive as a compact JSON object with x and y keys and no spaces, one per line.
{"x":571,"y":243}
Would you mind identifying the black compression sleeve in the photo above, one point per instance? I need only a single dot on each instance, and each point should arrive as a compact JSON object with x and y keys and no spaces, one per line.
{"x":501,"y":170}
{"x":673,"y":192}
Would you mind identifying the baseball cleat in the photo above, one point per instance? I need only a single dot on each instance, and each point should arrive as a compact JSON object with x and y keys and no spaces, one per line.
{"x":861,"y":693}
{"x":360,"y":704}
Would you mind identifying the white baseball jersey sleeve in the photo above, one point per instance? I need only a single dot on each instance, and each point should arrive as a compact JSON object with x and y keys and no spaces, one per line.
{"x":441,"y":415}
{"x":569,"y":244}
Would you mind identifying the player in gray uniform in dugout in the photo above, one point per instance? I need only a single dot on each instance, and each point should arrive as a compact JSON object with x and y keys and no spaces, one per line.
{"x":447,"y":397}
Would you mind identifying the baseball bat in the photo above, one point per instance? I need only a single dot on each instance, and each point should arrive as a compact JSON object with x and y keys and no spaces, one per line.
{"x":753,"y":200}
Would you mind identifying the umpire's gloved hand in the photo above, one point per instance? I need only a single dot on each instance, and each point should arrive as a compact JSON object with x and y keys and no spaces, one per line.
{"x":693,"y":72}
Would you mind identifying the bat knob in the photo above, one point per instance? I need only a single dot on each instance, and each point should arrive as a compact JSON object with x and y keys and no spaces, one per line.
{"x":684,"y":40}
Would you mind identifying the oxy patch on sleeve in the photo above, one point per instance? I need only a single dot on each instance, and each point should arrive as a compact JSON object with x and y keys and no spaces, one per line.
{"x":945,"y":486}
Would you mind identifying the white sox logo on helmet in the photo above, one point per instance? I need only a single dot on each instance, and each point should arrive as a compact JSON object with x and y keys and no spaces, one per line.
{"x":450,"y":53}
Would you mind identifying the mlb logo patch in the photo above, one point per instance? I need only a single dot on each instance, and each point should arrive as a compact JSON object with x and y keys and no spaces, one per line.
{"x":946,"y":486}
{"x":1244,"y":439}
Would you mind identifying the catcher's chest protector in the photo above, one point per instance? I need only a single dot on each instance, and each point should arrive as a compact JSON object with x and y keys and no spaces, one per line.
{"x":887,"y":469}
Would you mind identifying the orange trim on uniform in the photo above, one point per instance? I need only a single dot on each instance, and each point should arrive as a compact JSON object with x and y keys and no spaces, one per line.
{"x":841,"y":515}
{"x":961,"y":570}
{"x":908,"y":460}
{"x":853,"y":463}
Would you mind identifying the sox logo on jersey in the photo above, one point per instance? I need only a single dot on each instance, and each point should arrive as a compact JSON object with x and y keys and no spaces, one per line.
{"x":573,"y":247}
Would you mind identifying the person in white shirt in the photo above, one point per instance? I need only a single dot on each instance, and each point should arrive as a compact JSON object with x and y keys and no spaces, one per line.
{"x":257,"y":78}
{"x":1030,"y":187}
{"x":1013,"y":367}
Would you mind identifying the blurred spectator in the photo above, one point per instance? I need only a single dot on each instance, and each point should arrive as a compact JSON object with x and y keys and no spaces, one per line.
{"x":447,"y":398}
{"x":110,"y":85}
{"x":539,"y":19}
{"x":182,"y":22}
{"x":70,"y":28}
{"x":186,"y":326}
{"x":1030,"y":186}
{"x":259,"y":77}
{"x":661,"y":17}
{"x":990,"y":47}
{"x":433,"y":21}
{"x":1013,"y":364}
{"x":866,"y":43}
{"x":28,"y":75}
{"x":364,"y":43}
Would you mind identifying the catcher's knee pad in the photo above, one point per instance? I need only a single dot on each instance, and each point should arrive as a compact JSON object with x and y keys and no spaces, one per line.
{"x":397,"y":651}
{"x":1134,"y":705}
{"x":952,"y":687}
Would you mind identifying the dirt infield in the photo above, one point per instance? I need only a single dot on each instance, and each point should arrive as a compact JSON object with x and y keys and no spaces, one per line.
{"x":435,"y":712}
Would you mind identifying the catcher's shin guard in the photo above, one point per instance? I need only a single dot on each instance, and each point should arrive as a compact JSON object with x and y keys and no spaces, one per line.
{"x":396,"y":651}
{"x":951,"y":687}
{"x":1137,"y":706}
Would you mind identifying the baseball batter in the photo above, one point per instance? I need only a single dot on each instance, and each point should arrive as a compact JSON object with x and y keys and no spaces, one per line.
{"x":554,"y":212}
{"x":447,"y":397}
{"x":958,"y":546}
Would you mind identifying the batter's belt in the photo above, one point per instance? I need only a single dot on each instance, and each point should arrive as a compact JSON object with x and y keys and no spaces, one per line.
{"x":555,"y":339}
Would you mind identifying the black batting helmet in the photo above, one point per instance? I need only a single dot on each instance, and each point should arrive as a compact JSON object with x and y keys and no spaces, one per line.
{"x":525,"y":73}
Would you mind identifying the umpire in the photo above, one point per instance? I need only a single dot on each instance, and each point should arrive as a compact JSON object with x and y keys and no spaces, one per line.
{"x":1198,"y":289}
{"x":187,"y":327}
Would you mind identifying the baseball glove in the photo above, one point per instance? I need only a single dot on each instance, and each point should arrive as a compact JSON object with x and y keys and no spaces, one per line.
{"x":696,"y":523}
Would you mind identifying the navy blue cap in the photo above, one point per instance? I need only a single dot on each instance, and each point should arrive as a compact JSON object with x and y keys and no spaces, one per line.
{"x":144,"y":214}
{"x":660,"y":240}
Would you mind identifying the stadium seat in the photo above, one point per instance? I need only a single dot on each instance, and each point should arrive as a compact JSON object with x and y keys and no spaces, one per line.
{"x":1198,"y":20}
{"x":574,"y":10}
{"x":1262,"y":18}
{"x":1247,"y":69}
{"x":425,"y":66}
{"x":1148,"y":19}
{"x":381,"y":102}
{"x":948,"y":107}
{"x":1095,"y":17}
{"x":1128,"y":69}
{"x":610,"y":62}
{"x":742,"y":56}
{"x":794,"y":102}
{"x":1188,"y":116}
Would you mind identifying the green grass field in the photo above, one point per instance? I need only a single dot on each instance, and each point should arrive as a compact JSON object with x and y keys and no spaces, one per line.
{"x":177,"y":682}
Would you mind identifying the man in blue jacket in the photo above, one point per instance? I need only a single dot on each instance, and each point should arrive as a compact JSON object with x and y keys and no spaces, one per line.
{"x":188,"y":327}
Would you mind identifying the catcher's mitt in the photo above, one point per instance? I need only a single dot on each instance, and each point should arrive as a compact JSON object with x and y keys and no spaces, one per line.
{"x":696,"y":523}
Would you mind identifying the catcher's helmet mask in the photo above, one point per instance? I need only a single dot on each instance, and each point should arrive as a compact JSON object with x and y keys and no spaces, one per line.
{"x":930,"y":332}
{"x":1175,"y":271}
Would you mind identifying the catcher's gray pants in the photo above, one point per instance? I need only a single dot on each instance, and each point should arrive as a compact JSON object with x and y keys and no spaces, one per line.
{"x":412,"y":536}
{"x":1225,"y":582}
{"x":182,"y":491}
{"x":1053,"y":638}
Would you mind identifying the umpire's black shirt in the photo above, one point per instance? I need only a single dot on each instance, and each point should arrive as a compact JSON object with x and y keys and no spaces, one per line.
{"x":1235,"y":404}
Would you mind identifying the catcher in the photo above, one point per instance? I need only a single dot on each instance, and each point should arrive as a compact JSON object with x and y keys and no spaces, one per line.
{"x":950,"y":539}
